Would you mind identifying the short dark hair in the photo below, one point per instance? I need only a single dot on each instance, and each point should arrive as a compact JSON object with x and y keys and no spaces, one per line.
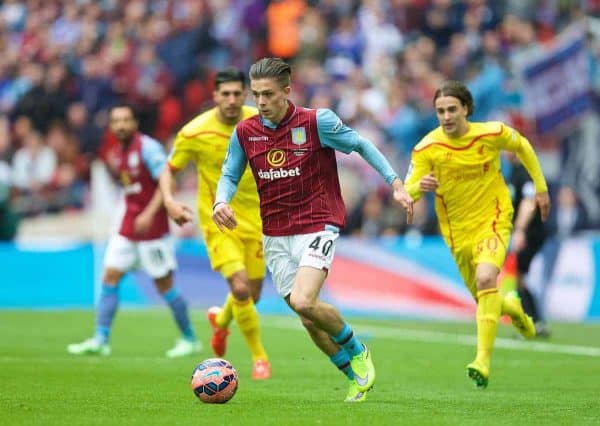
{"x":124,"y":104}
{"x":272,"y":68}
{"x":228,"y":75}
{"x":457,"y":90}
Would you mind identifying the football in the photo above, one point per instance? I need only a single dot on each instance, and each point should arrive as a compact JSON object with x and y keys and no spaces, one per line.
{"x":214,"y":381}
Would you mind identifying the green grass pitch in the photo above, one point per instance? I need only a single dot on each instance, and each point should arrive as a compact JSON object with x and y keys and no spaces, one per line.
{"x":420,"y":375}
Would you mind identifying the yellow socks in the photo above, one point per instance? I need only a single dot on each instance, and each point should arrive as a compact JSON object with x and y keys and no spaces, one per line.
{"x":244,"y":313}
{"x":489,"y":307}
{"x":224,"y":317}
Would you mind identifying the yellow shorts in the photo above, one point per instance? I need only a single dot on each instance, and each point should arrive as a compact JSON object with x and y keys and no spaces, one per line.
{"x":229,"y":254}
{"x":488,"y":245}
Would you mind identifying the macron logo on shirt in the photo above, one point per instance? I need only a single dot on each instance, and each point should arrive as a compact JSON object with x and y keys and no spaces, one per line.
{"x":258,"y":138}
{"x":273,"y":174}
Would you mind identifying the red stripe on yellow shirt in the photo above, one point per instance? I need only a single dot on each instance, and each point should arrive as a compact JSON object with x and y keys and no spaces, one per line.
{"x":200,"y":133}
{"x":447,"y":220}
{"x":462,"y":148}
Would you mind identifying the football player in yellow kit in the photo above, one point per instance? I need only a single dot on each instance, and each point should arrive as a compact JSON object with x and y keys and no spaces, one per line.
{"x":460,"y":162}
{"x":237,"y":255}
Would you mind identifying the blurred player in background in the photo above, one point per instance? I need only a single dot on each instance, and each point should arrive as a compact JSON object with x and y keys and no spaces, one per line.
{"x":291,"y":151}
{"x":460,"y":162}
{"x":237,"y":255}
{"x":143,"y":237}
{"x":529,"y":235}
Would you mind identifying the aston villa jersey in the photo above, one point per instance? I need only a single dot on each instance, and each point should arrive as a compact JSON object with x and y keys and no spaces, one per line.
{"x":296,"y":175}
{"x":140,"y":165}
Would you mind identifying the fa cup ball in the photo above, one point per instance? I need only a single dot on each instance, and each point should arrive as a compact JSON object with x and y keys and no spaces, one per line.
{"x":214,"y":381}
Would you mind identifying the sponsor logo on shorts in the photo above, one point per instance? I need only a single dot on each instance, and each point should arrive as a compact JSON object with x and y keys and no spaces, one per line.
{"x":318,"y":256}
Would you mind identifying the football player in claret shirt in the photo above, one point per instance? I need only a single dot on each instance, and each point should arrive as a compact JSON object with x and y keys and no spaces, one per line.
{"x":143,"y":237}
{"x":460,"y":162}
{"x":291,"y":152}
{"x":237,"y":254}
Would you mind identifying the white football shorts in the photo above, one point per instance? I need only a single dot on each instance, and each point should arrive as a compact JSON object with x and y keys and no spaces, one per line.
{"x":156,"y":257}
{"x":284,"y":255}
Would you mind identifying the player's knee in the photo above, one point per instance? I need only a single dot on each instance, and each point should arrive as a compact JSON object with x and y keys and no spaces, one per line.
{"x":239,"y":286}
{"x":485,"y":279}
{"x":302,"y":305}
{"x":112,"y":277}
{"x":165,"y":283}
{"x":240,"y":290}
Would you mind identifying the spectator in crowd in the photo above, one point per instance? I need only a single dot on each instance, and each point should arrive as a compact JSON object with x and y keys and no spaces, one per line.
{"x":33,"y":167}
{"x":71,"y":170}
{"x":84,"y":131}
{"x":8,"y":219}
{"x":377,"y":62}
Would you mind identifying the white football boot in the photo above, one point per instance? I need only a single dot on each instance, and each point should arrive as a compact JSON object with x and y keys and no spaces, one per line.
{"x":184,"y":347}
{"x":89,"y":346}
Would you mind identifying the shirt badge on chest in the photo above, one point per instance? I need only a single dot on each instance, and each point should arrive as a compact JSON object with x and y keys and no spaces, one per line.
{"x":298,"y":135}
{"x":133,"y":162}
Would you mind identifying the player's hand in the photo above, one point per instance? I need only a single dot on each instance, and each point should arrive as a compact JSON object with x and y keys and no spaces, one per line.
{"x":401,"y":196}
{"x":428,"y":183}
{"x":142,"y":223}
{"x":542,"y":200}
{"x":224,"y":217}
{"x":180,"y":213}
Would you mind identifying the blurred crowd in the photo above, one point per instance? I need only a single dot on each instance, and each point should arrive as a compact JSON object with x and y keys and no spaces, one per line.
{"x":377,"y":63}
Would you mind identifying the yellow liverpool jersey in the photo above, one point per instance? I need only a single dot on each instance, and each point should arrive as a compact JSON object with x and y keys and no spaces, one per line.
{"x":205,"y":140}
{"x":471,"y":192}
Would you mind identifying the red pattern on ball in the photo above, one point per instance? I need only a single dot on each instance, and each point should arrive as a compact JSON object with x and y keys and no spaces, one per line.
{"x":214,"y":381}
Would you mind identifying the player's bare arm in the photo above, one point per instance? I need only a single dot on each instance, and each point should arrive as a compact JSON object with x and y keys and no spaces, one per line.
{"x":179,"y":212}
{"x":403,"y":198}
{"x":542,"y":200}
{"x":143,"y":221}
{"x":224,"y":217}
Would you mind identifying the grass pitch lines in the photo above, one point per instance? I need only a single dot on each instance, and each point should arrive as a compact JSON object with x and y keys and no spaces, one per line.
{"x":430,"y":336}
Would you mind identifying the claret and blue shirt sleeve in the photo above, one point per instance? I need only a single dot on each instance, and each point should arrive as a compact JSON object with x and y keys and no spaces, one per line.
{"x":232,"y":170}
{"x":153,"y":156}
{"x":334,"y":134}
